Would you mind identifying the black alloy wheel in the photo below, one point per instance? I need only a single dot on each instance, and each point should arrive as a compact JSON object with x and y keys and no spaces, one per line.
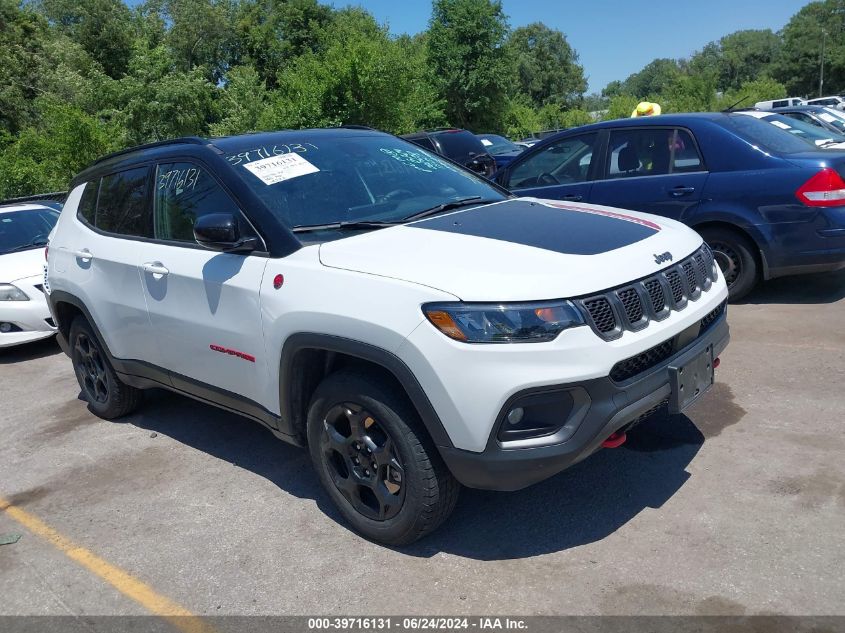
{"x":362,"y":461}
{"x":90,"y":369}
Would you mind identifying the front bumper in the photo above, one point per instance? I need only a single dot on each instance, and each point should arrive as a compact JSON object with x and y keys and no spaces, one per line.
{"x":31,"y":320}
{"x":612,"y":406}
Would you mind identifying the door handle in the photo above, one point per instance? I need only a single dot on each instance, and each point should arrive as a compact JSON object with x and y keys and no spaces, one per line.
{"x":84,"y":254}
{"x":155,"y":268}
{"x":572,"y":197}
{"x":681,"y":191}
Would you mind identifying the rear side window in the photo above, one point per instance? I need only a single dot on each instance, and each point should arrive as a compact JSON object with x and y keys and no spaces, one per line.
{"x":88,"y":204}
{"x":765,"y":134}
{"x":685,"y":156}
{"x":184,"y":192}
{"x":424,"y":141}
{"x":123,"y":204}
{"x":640,"y":152}
{"x":780,"y":104}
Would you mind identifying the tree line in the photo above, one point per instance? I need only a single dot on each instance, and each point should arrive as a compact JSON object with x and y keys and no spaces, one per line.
{"x":81,"y":78}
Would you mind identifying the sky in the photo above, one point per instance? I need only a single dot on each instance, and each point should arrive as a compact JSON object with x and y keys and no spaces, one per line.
{"x":614,"y":38}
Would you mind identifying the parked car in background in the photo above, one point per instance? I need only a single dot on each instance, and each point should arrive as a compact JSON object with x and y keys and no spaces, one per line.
{"x":779,"y":103}
{"x":24,"y":315}
{"x":411,"y":323}
{"x":821,"y":116}
{"x":812,"y":134}
{"x":503,"y":150}
{"x":768,"y":203}
{"x":831,"y":102}
{"x":461,"y":146}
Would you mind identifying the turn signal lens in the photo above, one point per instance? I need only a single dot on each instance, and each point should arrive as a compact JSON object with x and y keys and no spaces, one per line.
{"x":443,"y":322}
{"x":503,"y":323}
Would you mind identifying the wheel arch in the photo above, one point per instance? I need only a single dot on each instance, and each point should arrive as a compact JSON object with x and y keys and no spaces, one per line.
{"x":308,"y":357}
{"x":754,"y":239}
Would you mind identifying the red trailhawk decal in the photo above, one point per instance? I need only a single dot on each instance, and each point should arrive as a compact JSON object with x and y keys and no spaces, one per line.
{"x":609,"y":214}
{"x":232,"y":352}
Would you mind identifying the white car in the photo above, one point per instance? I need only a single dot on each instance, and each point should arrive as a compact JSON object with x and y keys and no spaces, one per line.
{"x":813,"y":134}
{"x":416,"y":326}
{"x":830,"y":102}
{"x":24,"y":315}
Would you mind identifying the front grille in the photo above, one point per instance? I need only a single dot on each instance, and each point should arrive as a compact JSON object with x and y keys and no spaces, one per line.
{"x":712,"y":316}
{"x":632,"y":306}
{"x":630,"y":367}
{"x":635,"y":365}
{"x":601,"y":314}
{"x":655,"y":293}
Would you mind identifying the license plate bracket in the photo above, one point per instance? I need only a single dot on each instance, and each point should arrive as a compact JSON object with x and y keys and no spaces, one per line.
{"x":690,"y":377}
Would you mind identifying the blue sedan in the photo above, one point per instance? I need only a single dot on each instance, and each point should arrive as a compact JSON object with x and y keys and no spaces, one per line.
{"x":768,"y":203}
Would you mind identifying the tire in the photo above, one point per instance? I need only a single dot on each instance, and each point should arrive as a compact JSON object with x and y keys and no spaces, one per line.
{"x":107,"y":396}
{"x":736,"y":257}
{"x":357,"y":415}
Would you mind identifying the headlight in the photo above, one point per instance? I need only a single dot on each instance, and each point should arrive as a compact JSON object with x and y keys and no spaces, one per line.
{"x":503,"y":323}
{"x":8,"y":292}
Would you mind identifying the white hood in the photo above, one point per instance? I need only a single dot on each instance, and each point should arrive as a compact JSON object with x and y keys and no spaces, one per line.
{"x":20,"y":265}
{"x":519,"y":250}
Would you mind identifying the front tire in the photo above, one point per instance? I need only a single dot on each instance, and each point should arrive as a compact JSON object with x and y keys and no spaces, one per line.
{"x":375,"y":459}
{"x":735,"y":255}
{"x":107,"y":396}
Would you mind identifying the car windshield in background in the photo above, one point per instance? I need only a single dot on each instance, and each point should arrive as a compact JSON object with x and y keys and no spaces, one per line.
{"x":496,"y":144}
{"x":22,"y":230}
{"x":765,"y":135}
{"x":359,"y":178}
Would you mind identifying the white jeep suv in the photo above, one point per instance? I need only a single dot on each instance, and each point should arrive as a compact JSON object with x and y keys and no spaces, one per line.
{"x":412,"y":324}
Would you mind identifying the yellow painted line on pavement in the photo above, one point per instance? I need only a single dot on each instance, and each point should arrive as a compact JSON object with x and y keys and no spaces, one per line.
{"x":123,"y":581}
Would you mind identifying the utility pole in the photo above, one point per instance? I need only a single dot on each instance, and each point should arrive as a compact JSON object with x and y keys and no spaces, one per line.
{"x":821,"y":70}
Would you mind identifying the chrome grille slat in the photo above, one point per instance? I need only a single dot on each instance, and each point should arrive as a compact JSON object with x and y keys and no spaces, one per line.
{"x":633,"y":306}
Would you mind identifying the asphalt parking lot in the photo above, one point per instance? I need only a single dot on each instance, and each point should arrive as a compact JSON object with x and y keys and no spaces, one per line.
{"x":736,"y":508}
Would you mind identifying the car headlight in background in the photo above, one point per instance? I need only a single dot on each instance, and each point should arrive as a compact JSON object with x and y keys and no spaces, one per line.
{"x":533,"y":322}
{"x":8,"y":292}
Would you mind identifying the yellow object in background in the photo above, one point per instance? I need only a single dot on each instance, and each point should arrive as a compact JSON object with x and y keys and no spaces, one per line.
{"x":646,"y":108}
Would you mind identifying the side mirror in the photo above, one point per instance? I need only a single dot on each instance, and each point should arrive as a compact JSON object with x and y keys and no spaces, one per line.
{"x":220,"y":232}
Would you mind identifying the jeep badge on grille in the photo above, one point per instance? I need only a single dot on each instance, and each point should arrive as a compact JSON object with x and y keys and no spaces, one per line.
{"x":663,"y":257}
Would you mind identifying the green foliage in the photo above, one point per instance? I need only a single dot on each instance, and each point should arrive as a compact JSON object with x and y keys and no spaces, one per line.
{"x":473,"y":69}
{"x":45,"y":158}
{"x":620,"y":107}
{"x":798,"y":64}
{"x":546,"y":65}
{"x":79,"y":78}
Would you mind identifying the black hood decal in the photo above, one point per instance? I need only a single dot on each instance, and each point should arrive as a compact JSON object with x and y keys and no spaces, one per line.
{"x":559,"y":227}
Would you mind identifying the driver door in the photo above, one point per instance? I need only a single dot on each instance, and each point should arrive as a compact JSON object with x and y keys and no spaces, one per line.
{"x":562,"y":170}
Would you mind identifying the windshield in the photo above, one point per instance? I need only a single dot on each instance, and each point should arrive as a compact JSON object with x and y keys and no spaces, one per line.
{"x":352,"y":179}
{"x":496,"y":144}
{"x":25,"y":229}
{"x":765,"y":135}
{"x":807,"y":131}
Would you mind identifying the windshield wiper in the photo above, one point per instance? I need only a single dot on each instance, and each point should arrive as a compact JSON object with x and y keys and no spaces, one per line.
{"x":447,"y":206}
{"x":23,"y":247}
{"x":352,"y":225}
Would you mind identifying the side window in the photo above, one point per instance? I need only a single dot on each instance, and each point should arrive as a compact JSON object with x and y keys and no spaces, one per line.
{"x":639,"y":152}
{"x":563,"y":163}
{"x":184,"y":192}
{"x":780,"y":104}
{"x":685,"y":156}
{"x":88,"y":204}
{"x":426,"y":142}
{"x":122,"y":206}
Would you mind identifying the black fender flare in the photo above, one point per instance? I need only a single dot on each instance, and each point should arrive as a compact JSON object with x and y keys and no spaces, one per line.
{"x":370,"y":353}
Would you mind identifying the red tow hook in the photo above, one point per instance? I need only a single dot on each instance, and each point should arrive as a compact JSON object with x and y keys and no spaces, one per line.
{"x":716,"y":363}
{"x":615,"y":440}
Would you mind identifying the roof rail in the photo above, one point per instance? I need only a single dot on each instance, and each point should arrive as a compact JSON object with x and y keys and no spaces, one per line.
{"x":57,"y":196}
{"x":354,"y":126}
{"x":191,"y":140}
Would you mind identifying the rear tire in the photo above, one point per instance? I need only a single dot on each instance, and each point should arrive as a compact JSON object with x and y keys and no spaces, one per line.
{"x":107,"y":396}
{"x":376,"y":460}
{"x":736,"y":257}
